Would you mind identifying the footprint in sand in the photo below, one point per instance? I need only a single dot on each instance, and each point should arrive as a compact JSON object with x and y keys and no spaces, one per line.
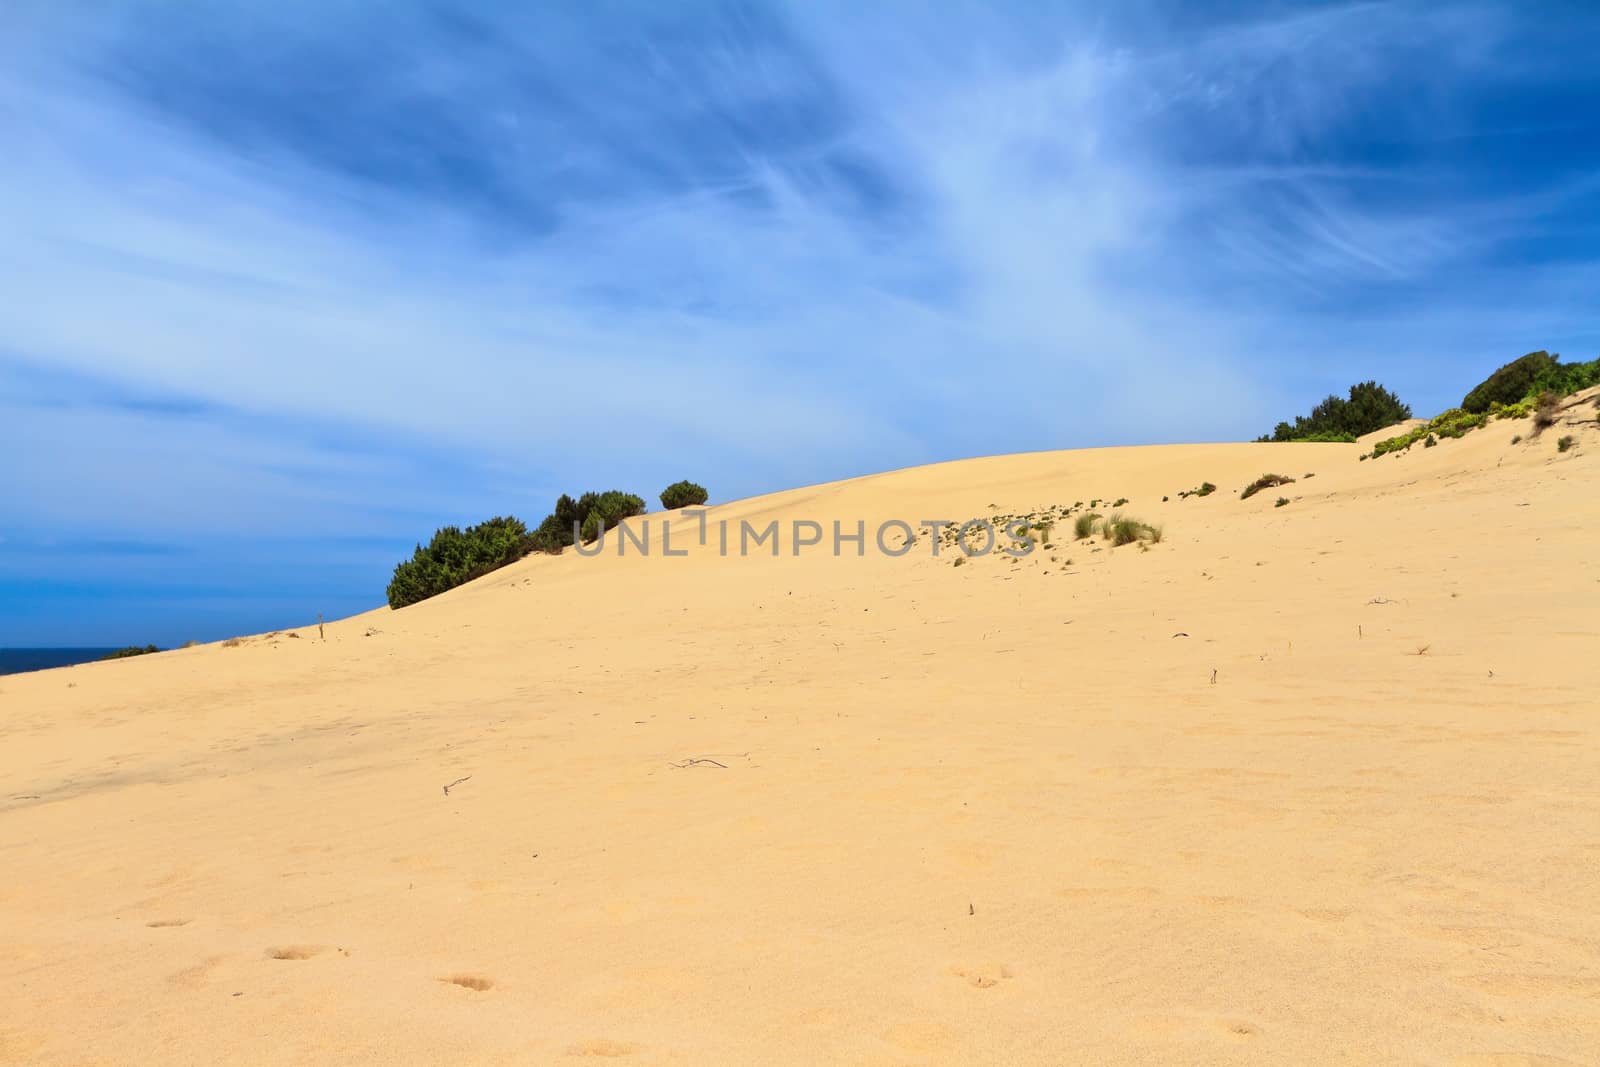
{"x":296,"y":952}
{"x":475,"y":982}
{"x":604,"y":1047}
{"x":985,"y":977}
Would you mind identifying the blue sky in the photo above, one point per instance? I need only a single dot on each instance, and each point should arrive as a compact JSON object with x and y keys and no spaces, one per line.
{"x":287,"y":286}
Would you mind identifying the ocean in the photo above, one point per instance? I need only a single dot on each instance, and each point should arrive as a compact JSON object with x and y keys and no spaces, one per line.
{"x":17,"y":660}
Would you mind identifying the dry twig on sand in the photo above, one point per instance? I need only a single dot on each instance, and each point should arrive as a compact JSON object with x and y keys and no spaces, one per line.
{"x":455,"y":783}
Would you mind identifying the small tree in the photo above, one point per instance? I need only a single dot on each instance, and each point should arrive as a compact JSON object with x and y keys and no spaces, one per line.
{"x":684,"y":494}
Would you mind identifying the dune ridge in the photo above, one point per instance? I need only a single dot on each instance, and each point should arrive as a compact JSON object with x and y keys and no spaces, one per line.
{"x":1302,"y":784}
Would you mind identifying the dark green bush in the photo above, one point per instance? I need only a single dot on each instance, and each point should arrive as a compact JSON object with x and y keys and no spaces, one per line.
{"x":584,"y":515}
{"x":1369,"y":407}
{"x":552,"y":535}
{"x":1510,"y":383}
{"x":1561,"y":446}
{"x":684,"y":494}
{"x":135,"y":650}
{"x":607,"y":509}
{"x":455,"y":556}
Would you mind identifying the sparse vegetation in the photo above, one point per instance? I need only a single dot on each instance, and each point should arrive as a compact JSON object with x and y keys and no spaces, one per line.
{"x":1205,"y":489}
{"x":1120,"y":530}
{"x":1544,"y":414}
{"x":1429,"y":441}
{"x":1266,"y":481}
{"x":1516,"y":438}
{"x":1369,"y":407}
{"x":1452,"y":423}
{"x":1083,"y":525}
{"x":684,"y":494}
{"x":1282,"y":500}
{"x":1562,"y":445}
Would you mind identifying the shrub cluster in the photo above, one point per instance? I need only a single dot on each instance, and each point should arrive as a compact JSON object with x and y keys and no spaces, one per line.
{"x":1453,"y":423}
{"x":455,"y":556}
{"x":1369,"y":407}
{"x":1523,"y":379}
{"x":1509,"y":384}
{"x":1266,"y":481}
{"x":1206,"y":489}
{"x":583,"y":516}
{"x":135,"y":650}
{"x":684,"y":494}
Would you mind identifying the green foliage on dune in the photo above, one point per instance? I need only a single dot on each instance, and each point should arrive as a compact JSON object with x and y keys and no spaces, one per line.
{"x":1523,"y":379}
{"x":455,"y":556}
{"x":1452,"y":423}
{"x":131,"y":650}
{"x":586,"y":514}
{"x":684,"y":494}
{"x":1368,"y":407}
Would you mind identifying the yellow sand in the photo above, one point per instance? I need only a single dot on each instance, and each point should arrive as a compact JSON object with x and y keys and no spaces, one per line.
{"x":994,"y":813}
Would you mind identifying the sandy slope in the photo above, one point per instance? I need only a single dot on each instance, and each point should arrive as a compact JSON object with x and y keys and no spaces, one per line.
{"x":995,"y":813}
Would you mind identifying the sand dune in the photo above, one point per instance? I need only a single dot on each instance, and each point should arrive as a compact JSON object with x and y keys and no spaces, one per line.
{"x":868,"y":810}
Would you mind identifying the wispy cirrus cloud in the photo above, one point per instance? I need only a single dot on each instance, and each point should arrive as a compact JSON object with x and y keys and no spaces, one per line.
{"x":339,"y":269}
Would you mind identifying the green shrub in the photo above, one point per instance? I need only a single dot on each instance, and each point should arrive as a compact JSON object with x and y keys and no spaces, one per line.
{"x":131,"y":650}
{"x":1564,"y":443}
{"x":1510,"y":383}
{"x":1282,"y":500}
{"x":1453,"y":423}
{"x":1369,"y":407}
{"x":552,"y":535}
{"x":1429,"y":441}
{"x":1564,"y":379}
{"x":1266,"y":481}
{"x":1206,"y":489}
{"x":606,"y":510}
{"x":455,"y":556}
{"x":1083,"y":525}
{"x":683,"y":494}
{"x":585,"y":515}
